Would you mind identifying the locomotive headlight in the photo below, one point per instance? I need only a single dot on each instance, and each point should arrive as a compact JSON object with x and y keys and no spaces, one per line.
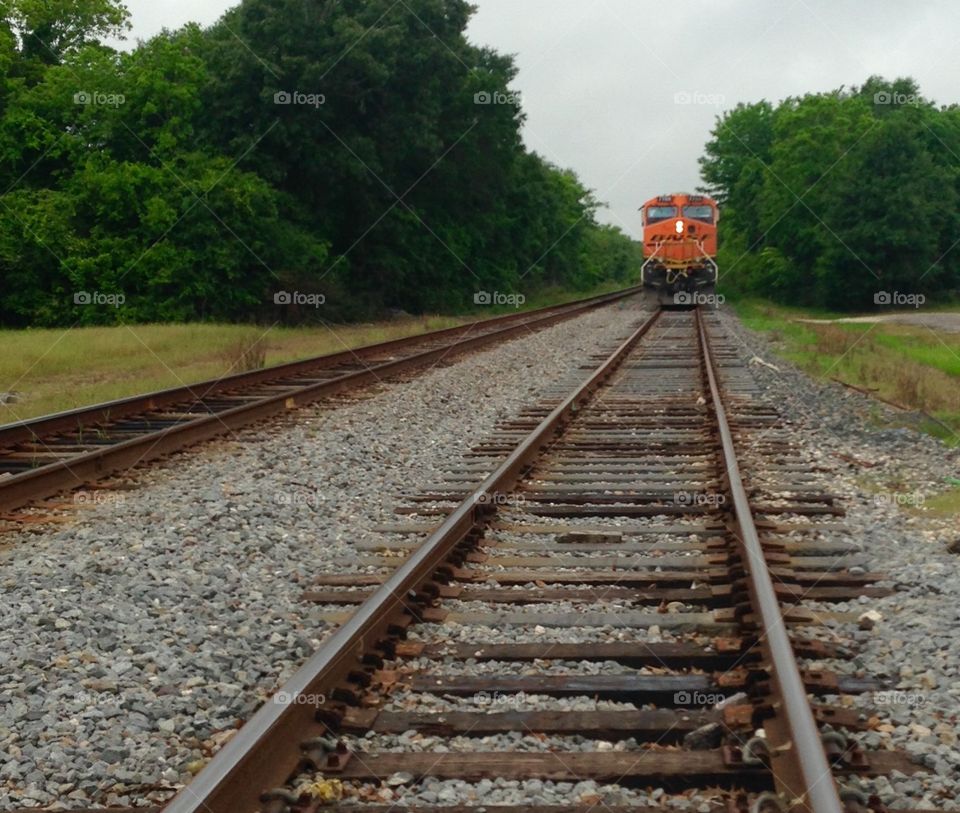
{"x":679,"y":227}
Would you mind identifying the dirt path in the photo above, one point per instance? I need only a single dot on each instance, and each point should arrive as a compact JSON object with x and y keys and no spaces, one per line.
{"x":942,"y":320}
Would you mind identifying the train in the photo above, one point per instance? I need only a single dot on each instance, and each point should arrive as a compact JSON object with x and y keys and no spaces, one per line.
{"x":680,"y":248}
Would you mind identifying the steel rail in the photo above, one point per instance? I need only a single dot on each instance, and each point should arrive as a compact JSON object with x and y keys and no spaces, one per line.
{"x":800,"y":767}
{"x":20,"y":489}
{"x":263,"y":753}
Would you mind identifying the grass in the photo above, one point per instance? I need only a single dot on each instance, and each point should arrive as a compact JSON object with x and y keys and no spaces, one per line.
{"x":56,"y":369}
{"x":915,"y":367}
{"x":912,"y":366}
{"x":897,"y":490}
{"x":946,"y":504}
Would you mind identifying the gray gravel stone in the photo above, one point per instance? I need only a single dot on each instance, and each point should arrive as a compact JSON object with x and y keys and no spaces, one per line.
{"x":914,"y":645}
{"x":159,"y":620}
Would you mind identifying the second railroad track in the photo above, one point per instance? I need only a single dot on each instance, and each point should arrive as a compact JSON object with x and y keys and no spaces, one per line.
{"x":44,"y":456}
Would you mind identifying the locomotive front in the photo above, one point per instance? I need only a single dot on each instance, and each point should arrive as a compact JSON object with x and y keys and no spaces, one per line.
{"x":680,"y":247}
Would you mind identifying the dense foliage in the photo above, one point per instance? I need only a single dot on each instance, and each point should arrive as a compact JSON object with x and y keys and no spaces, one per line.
{"x":838,"y":199}
{"x":357,"y":151}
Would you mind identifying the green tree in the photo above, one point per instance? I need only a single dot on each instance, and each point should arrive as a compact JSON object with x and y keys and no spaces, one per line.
{"x":363,"y":150}
{"x":47,"y":31}
{"x":854,"y":193}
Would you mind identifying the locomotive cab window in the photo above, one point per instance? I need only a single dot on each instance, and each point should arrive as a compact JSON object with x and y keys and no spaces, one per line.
{"x":702,"y":213}
{"x":657,"y":213}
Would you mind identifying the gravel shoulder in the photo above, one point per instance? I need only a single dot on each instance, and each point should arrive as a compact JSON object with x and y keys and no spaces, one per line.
{"x":883,"y":475}
{"x":138,"y":634}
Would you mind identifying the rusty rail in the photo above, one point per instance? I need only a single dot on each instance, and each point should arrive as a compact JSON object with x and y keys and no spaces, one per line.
{"x":20,"y":489}
{"x":260,"y":756}
{"x":799,"y":763}
{"x":265,"y":753}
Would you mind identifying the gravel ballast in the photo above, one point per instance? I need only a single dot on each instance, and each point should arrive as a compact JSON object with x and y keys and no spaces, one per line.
{"x":138,"y":635}
{"x":884,"y":474}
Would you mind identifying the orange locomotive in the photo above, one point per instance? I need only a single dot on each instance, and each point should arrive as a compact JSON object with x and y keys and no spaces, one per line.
{"x":680,"y":246}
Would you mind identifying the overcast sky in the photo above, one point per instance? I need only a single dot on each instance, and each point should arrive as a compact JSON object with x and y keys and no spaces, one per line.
{"x":625,"y":91}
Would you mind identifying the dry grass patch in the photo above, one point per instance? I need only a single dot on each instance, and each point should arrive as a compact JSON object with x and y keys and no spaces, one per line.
{"x":57,"y":370}
{"x":246,"y":354}
{"x":911,"y":366}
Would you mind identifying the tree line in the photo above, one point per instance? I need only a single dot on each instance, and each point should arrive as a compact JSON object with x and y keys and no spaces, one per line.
{"x":362,"y":154}
{"x":844,"y":200}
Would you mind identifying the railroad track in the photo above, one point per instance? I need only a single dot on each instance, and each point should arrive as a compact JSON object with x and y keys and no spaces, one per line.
{"x":44,"y":456}
{"x":606,"y":599}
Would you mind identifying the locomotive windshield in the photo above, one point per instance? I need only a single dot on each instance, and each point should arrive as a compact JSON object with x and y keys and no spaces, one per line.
{"x":704,"y":213}
{"x":657,"y":213}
